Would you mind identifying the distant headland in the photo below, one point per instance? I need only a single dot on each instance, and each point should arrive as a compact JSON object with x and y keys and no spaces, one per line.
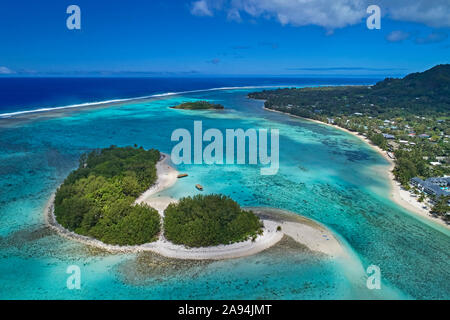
{"x":406,"y":120}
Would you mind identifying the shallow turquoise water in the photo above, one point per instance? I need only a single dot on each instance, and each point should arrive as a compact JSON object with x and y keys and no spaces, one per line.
{"x":324,"y":174}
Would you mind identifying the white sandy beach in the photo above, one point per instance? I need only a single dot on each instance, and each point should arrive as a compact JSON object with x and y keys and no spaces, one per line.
{"x":167,"y":177}
{"x":399,"y":195}
{"x":310,"y":234}
{"x":315,"y":238}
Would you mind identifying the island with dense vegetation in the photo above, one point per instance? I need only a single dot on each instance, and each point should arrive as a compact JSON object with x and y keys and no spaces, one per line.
{"x":210,"y":220}
{"x":409,"y":118}
{"x":199,"y":105}
{"x":109,"y":201}
{"x":97,"y":199}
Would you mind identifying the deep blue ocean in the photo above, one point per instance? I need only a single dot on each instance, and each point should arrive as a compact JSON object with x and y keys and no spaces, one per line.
{"x":19,"y":94}
{"x":325,"y":174}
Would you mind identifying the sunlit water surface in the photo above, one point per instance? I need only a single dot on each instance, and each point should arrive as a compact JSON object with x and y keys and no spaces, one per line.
{"x":325,"y":174}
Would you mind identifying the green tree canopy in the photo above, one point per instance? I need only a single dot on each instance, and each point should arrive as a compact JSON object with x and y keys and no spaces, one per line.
{"x":97,"y":199}
{"x":208,"y":220}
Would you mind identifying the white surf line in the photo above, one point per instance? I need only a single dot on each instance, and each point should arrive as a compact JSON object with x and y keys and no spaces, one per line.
{"x":157,"y":95}
{"x":96,"y":103}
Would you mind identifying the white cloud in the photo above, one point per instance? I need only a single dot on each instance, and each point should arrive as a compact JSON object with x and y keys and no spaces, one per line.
{"x":433,"y":13}
{"x":234,"y":15}
{"x":330,"y":14}
{"x":433,"y":37}
{"x":397,"y":36}
{"x":324,"y":13}
{"x":5,"y":70}
{"x":214,"y":61}
{"x":200,"y":8}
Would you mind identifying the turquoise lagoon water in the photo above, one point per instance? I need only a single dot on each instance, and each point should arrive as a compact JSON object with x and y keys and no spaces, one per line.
{"x":325,"y":174}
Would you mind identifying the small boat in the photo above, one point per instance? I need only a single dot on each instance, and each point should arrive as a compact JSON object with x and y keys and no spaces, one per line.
{"x":199,"y":187}
{"x":182,"y":175}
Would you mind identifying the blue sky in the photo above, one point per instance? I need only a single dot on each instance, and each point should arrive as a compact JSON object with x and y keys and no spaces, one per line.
{"x":223,"y":37}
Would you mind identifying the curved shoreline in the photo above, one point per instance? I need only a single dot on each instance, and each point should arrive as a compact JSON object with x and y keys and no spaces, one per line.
{"x":167,"y":177}
{"x":303,"y":230}
{"x":397,"y":194}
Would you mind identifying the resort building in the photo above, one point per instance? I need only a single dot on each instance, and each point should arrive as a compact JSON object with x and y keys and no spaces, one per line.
{"x":437,"y":187}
